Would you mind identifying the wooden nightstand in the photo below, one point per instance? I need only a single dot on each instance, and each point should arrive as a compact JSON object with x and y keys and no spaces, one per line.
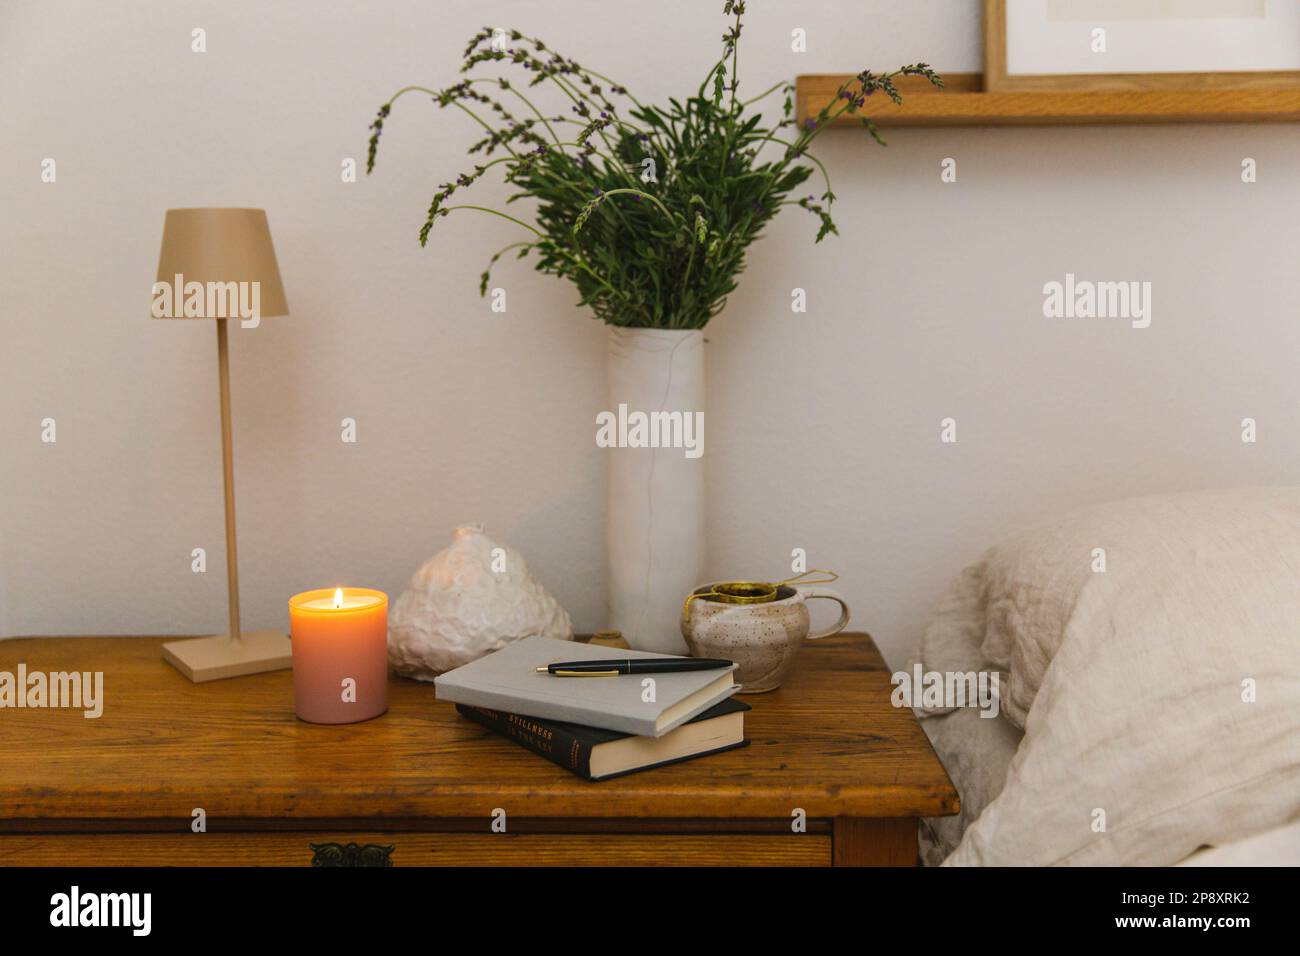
{"x":122,"y":789}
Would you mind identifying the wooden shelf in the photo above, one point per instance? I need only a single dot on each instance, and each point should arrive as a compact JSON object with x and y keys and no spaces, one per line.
{"x":963,"y":102}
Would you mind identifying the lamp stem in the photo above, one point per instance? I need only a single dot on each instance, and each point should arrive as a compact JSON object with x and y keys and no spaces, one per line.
{"x":228,"y":469}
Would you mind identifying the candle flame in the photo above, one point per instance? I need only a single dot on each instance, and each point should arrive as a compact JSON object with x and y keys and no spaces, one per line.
{"x":338,"y":597}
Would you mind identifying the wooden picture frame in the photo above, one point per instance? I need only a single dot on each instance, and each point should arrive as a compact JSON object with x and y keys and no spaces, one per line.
{"x":998,"y":80}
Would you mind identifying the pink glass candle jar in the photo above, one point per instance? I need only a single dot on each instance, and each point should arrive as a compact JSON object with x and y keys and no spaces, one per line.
{"x":340,"y":654}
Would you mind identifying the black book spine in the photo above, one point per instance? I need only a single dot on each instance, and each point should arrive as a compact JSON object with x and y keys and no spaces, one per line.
{"x":545,"y":739}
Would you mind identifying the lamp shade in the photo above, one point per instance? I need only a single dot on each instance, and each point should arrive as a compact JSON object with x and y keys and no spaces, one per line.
{"x":215,"y":247}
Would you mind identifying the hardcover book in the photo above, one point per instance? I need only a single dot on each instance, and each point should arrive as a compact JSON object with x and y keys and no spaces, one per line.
{"x":596,"y":754}
{"x":507,"y":680}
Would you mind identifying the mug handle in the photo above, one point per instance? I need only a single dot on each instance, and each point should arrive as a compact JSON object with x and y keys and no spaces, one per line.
{"x":827,"y":593}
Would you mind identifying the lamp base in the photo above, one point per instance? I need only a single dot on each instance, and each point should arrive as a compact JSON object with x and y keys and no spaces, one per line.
{"x":215,"y":658}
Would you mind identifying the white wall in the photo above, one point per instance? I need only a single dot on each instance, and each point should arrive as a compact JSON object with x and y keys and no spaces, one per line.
{"x":823,"y":428}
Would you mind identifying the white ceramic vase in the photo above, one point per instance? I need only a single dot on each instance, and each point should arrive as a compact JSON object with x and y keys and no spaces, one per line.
{"x":655,"y":494}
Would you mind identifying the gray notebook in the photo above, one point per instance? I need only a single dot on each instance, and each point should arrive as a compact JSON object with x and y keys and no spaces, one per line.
{"x":507,"y":680}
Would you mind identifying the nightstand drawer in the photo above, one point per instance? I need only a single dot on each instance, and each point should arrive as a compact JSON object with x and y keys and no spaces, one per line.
{"x":415,"y":849}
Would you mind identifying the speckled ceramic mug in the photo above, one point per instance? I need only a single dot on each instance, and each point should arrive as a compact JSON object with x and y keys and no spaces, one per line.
{"x":762,"y":638}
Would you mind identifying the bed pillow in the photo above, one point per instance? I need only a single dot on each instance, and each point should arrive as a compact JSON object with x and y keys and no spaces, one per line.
{"x":976,"y":751}
{"x":1152,"y":651}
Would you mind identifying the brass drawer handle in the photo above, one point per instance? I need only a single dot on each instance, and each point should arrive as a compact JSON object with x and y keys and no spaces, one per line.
{"x":336,"y":854}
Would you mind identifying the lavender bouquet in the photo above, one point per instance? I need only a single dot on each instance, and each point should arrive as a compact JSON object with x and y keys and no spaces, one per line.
{"x":648,"y":210}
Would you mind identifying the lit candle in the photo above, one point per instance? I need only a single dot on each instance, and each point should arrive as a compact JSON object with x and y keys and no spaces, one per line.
{"x":340,"y":654}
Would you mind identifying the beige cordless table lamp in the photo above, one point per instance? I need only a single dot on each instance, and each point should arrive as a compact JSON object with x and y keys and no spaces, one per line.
{"x":219,"y":264}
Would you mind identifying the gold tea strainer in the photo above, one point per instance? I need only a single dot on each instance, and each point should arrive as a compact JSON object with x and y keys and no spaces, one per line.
{"x":752,"y":592}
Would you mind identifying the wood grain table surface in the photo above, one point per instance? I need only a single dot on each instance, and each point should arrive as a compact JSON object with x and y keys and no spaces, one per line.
{"x":828,"y":742}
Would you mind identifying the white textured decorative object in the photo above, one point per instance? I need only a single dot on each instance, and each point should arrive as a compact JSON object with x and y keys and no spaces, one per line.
{"x":470,"y":599}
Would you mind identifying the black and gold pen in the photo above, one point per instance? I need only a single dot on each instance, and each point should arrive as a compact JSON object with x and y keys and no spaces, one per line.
{"x":632,"y":665}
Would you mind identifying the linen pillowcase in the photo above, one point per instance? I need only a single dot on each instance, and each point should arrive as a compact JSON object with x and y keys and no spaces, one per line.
{"x":1160,"y":697}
